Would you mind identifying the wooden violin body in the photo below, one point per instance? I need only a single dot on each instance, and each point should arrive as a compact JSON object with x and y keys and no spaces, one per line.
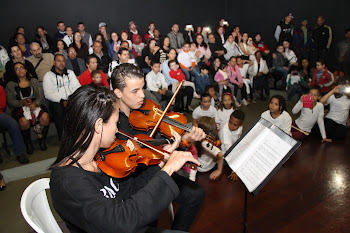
{"x":123,"y":156}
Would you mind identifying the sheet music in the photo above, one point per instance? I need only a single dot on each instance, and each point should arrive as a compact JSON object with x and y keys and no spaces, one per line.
{"x":256,"y":155}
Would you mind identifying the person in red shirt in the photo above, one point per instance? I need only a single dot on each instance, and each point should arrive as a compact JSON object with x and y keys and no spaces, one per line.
{"x":91,"y":64}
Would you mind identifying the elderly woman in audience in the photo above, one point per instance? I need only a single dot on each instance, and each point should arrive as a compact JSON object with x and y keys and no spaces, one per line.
{"x":75,"y":63}
{"x":25,"y":98}
{"x":16,"y":56}
{"x":47,"y":43}
{"x":80,"y":47}
{"x":150,"y":52}
{"x":204,"y":50}
{"x":114,"y":44}
{"x":258,"y":75}
{"x":22,"y":44}
{"x":61,"y":48}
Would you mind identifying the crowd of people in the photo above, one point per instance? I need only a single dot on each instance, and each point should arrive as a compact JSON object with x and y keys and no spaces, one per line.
{"x":225,"y":69}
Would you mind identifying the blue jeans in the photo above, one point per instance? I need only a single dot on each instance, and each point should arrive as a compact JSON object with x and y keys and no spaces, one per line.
{"x":281,"y":71}
{"x":12,"y":127}
{"x":195,"y":72}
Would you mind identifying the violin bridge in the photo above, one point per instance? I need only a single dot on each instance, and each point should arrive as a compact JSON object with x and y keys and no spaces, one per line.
{"x":130,"y":144}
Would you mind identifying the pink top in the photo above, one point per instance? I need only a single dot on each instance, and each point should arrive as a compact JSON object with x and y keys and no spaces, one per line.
{"x":204,"y":52}
{"x":234,"y":74}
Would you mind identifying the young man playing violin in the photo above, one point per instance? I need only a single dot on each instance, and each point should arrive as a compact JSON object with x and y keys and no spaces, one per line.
{"x":89,"y":200}
{"x":127,"y":82}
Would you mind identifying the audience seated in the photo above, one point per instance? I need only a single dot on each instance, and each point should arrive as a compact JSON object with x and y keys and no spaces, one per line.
{"x":113,"y":44}
{"x":149,"y":53}
{"x":58,"y":84}
{"x":232,"y":48}
{"x":44,"y":39}
{"x":80,"y":46}
{"x":42,"y":62}
{"x":68,"y":38}
{"x":21,"y":42}
{"x":258,"y":76}
{"x":216,"y":48}
{"x":150,"y":33}
{"x":61,"y":33}
{"x":74,"y":63}
{"x":176,"y":37}
{"x":16,"y":56}
{"x":92,"y":64}
{"x":85,"y":36}
{"x":61,"y":48}
{"x":103,"y":59}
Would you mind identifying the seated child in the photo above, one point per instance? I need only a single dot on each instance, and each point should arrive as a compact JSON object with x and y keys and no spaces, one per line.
{"x":214,"y":101}
{"x":156,"y":83}
{"x":208,"y":154}
{"x":294,"y":83}
{"x":177,"y":74}
{"x":251,"y":49}
{"x":309,"y":116}
{"x":225,"y":109}
{"x":335,"y":121}
{"x":195,"y":52}
{"x":204,"y":109}
{"x":97,"y":78}
{"x":202,"y":80}
{"x":277,"y":114}
{"x":223,"y":80}
{"x":322,"y":77}
{"x":232,"y":130}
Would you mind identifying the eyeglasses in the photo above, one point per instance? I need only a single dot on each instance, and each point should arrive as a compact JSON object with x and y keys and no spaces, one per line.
{"x":19,"y":68}
{"x":72,"y":51}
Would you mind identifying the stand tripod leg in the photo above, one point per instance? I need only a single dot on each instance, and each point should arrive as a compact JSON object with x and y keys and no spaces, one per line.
{"x":244,"y":213}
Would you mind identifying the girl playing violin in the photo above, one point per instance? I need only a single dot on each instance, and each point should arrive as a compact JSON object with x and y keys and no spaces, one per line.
{"x":91,"y":201}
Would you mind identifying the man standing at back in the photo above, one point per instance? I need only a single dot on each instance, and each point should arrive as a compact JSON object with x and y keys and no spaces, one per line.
{"x":61,"y":31}
{"x":42,"y":62}
{"x":176,"y":37}
{"x":85,"y":36}
{"x":321,"y":41}
{"x":284,"y":29}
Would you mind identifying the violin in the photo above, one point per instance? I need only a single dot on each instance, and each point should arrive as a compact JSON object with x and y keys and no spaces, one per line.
{"x":146,"y":118}
{"x":123,"y":156}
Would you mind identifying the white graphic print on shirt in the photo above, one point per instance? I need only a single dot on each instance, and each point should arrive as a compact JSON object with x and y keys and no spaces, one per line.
{"x":110,"y":192}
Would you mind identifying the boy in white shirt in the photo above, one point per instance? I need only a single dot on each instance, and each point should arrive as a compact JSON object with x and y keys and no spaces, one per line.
{"x":204,"y":109}
{"x":309,"y":116}
{"x":156,"y":83}
{"x":187,"y":62}
{"x":231,"y":131}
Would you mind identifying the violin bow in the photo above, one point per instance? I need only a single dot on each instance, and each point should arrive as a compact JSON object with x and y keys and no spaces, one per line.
{"x":162,"y":152}
{"x":166,"y":110}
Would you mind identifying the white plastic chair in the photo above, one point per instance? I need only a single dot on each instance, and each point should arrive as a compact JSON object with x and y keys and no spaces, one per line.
{"x":35,"y":208}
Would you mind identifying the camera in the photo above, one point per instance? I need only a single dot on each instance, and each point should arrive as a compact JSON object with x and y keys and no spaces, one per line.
{"x":189,"y":26}
{"x":344,"y":89}
{"x":225,"y":23}
{"x":307,"y":101}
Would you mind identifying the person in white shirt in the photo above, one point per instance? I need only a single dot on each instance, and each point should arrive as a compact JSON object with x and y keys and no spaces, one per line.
{"x":68,"y":38}
{"x":58,"y":85}
{"x":208,"y":153}
{"x":232,"y":48}
{"x":277,"y":114}
{"x":292,"y":58}
{"x":335,"y":121}
{"x":226,"y":108}
{"x":156,"y":83}
{"x":204,"y":109}
{"x":232,"y":130}
{"x":187,"y":62}
{"x":309,"y":116}
{"x":243,"y":68}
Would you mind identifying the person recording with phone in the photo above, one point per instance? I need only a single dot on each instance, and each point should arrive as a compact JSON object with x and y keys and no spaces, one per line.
{"x":339,"y":101}
{"x":189,"y":35}
{"x":294,"y":83}
{"x":312,"y":111}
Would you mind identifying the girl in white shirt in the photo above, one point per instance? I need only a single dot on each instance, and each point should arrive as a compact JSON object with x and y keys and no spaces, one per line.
{"x":277,"y":114}
{"x":209,"y":154}
{"x":226,"y":107}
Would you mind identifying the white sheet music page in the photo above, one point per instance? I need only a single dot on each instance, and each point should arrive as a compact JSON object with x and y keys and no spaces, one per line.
{"x":256,"y":155}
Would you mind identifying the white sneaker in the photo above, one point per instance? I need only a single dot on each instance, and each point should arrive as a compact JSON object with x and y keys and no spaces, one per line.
{"x":244,"y":102}
{"x":190,"y":108}
{"x":195,"y":95}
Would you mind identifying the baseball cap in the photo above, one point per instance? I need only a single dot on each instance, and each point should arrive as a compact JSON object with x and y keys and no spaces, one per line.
{"x":102,"y":24}
{"x":290,"y":14}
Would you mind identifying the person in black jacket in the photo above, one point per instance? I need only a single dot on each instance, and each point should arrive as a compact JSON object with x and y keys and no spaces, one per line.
{"x":44,"y":39}
{"x":75,"y":63}
{"x":321,"y":41}
{"x":103,"y":59}
{"x":89,"y":200}
{"x":284,"y":30}
{"x":216,"y":48}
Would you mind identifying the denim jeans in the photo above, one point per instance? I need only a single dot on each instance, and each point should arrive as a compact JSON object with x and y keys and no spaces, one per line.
{"x":280,"y":70}
{"x":195,"y":72}
{"x":12,"y":127}
{"x":190,"y":201}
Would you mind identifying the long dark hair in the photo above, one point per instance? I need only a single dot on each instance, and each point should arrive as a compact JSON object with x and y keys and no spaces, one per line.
{"x":91,"y":103}
{"x":205,"y":45}
{"x":209,"y":127}
{"x":16,"y":79}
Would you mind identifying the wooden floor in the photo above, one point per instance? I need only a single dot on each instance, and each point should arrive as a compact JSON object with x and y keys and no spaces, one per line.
{"x":309,"y":194}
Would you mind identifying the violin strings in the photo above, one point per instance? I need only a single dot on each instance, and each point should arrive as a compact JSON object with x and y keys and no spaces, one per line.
{"x":176,"y":123}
